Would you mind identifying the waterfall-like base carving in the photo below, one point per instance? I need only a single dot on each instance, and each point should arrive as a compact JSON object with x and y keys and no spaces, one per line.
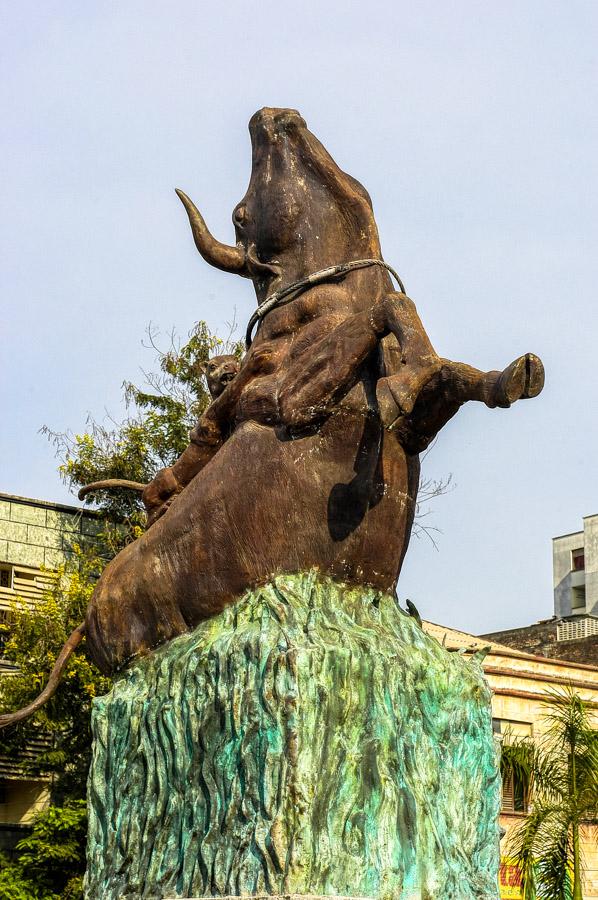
{"x":311,"y":739}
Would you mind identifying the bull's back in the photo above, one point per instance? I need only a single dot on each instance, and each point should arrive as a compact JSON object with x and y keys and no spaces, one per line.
{"x":341,"y":499}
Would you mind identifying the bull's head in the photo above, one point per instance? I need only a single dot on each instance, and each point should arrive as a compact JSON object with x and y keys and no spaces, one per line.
{"x":301,"y":213}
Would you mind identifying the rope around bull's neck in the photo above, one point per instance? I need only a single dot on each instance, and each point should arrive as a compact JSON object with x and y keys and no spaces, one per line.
{"x":332,"y":273}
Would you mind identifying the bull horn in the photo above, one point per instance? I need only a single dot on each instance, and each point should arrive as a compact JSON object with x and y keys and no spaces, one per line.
{"x":230,"y":259}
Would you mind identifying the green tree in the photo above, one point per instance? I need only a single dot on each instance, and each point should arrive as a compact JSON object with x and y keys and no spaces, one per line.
{"x":155,"y":429}
{"x":32,"y":643}
{"x":50,"y":861}
{"x":561,"y":770}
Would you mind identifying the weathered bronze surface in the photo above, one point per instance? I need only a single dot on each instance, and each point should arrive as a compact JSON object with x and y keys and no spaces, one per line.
{"x":220,"y":371}
{"x":309,"y":457}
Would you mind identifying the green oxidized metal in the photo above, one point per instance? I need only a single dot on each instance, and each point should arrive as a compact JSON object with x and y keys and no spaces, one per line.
{"x":311,"y":739}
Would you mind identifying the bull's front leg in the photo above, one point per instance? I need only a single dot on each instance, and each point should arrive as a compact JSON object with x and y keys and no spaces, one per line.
{"x":429,"y":390}
{"x":521,"y":380}
{"x":455,"y":384}
{"x":396,"y":314}
{"x":320,"y":376}
{"x":312,"y":385}
{"x":209,"y":434}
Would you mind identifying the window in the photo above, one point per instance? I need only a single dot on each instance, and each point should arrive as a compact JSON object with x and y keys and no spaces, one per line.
{"x":6,"y":577}
{"x":578,"y":562}
{"x":515,"y":781}
{"x":26,"y":576}
{"x":512,"y":729}
{"x":515,"y":789}
{"x":5,"y":623}
{"x":578,"y":597}
{"x":29,"y":584}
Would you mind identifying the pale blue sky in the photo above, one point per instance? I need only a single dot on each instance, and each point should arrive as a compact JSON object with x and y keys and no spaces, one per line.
{"x":474,"y":127}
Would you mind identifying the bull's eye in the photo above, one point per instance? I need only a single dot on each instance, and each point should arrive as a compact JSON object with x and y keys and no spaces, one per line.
{"x":240,"y":216}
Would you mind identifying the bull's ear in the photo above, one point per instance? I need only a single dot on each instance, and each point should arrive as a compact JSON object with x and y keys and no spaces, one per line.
{"x":230,"y":259}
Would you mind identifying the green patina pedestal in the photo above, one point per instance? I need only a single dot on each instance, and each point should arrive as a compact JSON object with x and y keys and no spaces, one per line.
{"x":309,"y":740}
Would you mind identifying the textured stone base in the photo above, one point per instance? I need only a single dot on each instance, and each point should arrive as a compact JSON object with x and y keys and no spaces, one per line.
{"x":310,"y":740}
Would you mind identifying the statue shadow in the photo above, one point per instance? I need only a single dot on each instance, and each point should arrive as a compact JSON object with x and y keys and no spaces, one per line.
{"x":349,"y":503}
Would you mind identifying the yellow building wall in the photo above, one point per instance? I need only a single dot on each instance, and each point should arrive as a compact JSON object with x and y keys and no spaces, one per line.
{"x":589,"y":842}
{"x":35,"y":537}
{"x":509,"y":707}
{"x":21,"y":801}
{"x":521,"y":685}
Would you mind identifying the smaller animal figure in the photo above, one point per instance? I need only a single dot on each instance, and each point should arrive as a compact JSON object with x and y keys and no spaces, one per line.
{"x":218,"y":372}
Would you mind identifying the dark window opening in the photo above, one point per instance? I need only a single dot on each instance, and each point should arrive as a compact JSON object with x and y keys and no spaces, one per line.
{"x":578,"y":597}
{"x":578,"y":562}
{"x":5,"y":578}
{"x":6,"y":620}
{"x":26,"y":576}
{"x":515,"y":790}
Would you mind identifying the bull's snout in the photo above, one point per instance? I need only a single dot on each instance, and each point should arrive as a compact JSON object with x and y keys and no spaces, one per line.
{"x":270,"y":123}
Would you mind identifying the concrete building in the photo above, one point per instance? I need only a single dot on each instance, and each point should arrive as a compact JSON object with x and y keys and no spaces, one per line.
{"x":575,"y":572}
{"x":559,"y":651}
{"x":36,"y":538}
{"x":521,"y":683}
{"x":572,"y":632}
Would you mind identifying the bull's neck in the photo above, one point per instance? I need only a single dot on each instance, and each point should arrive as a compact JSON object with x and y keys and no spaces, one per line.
{"x":374,"y":280}
{"x":368,"y":285}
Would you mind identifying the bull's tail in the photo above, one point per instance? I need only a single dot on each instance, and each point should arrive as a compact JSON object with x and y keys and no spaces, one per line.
{"x":110,"y":484}
{"x":70,"y":644}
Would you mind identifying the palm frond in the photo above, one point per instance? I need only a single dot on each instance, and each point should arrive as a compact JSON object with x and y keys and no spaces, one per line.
{"x":566,"y":717}
{"x":561,"y":769}
{"x":535,"y":840}
{"x":540,"y":770}
{"x":554,"y":868}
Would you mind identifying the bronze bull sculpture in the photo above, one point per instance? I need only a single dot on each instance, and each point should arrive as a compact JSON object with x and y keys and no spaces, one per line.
{"x":309,"y":457}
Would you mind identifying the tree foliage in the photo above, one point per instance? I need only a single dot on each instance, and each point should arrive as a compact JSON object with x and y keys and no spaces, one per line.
{"x":50,"y":861}
{"x":561,"y":769}
{"x":155,"y":429}
{"x":33,"y":641}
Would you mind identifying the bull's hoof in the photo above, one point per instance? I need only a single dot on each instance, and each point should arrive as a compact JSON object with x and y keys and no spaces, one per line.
{"x":523,"y":379}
